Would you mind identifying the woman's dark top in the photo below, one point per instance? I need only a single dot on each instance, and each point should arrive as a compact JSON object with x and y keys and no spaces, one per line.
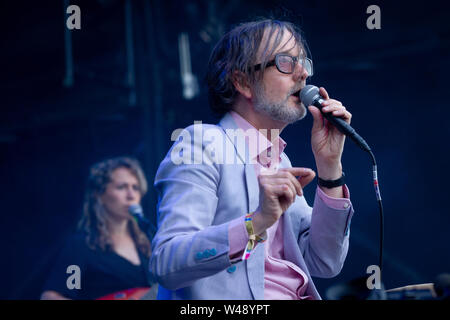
{"x":101,"y":272}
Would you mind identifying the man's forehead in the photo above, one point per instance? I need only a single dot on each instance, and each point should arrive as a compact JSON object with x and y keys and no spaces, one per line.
{"x":288,"y":43}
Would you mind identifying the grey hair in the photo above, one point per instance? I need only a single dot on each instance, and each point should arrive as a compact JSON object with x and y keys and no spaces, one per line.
{"x":237,"y":51}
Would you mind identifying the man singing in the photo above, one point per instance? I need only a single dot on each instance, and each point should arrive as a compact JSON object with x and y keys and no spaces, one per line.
{"x":242,"y":229}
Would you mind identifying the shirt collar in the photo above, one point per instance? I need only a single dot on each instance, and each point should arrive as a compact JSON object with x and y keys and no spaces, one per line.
{"x":263,"y":143}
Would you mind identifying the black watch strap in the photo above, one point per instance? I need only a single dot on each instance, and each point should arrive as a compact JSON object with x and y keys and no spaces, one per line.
{"x":332,"y":183}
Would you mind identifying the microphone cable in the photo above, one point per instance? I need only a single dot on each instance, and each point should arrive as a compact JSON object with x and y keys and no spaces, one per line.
{"x":380,"y":207}
{"x":310,"y":95}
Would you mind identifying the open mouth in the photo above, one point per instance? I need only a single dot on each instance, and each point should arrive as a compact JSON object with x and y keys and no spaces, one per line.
{"x":297,"y":94}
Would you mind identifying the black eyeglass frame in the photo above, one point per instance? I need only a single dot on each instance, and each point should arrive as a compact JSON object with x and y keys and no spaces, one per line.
{"x":294,"y":62}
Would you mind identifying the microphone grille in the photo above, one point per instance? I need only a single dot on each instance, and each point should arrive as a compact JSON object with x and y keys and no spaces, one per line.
{"x":136,"y":210}
{"x":308,"y":94}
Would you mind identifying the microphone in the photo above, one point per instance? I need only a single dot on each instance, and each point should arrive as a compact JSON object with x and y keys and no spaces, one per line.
{"x":136,"y":211}
{"x":310,"y":96}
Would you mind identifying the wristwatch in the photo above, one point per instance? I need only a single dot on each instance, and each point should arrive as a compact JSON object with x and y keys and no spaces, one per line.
{"x":332,"y":183}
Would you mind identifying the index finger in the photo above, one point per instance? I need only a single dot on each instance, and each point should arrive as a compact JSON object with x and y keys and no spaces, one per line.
{"x":304,"y":175}
{"x":297,"y":171}
{"x":324,"y":93}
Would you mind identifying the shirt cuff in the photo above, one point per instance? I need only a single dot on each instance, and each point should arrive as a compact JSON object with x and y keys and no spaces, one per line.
{"x":237,"y":239}
{"x":336,"y":203}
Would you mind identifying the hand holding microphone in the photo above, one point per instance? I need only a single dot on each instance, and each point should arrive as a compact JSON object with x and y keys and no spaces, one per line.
{"x":328,"y":136}
{"x":333,"y":111}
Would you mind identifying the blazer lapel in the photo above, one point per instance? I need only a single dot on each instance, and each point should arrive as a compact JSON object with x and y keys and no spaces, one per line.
{"x":228,"y":125}
{"x":255,"y":264}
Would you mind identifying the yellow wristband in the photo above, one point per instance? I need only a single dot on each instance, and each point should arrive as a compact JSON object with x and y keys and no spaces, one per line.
{"x":249,"y":226}
{"x":251,"y":231}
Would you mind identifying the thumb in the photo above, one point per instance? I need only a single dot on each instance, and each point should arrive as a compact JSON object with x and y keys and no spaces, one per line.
{"x":318,"y":118}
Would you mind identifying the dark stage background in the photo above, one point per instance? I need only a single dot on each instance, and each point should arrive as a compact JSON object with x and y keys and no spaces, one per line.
{"x":125,"y":97}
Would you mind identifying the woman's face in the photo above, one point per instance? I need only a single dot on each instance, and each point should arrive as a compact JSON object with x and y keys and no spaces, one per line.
{"x":121,"y":192}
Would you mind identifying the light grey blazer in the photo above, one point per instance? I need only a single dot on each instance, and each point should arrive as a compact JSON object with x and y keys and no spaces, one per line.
{"x":196,"y":202}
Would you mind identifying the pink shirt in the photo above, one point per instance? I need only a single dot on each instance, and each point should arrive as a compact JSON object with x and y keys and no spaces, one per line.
{"x":283,"y":280}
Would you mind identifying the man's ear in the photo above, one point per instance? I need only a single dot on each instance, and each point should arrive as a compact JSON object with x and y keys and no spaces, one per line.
{"x":242,"y":84}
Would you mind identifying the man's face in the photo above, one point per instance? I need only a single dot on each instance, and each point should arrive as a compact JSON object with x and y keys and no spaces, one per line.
{"x":274,"y":94}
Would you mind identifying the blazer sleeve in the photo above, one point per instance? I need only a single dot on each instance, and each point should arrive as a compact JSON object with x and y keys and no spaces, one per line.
{"x":323,"y":236}
{"x":188,"y":246}
{"x":325,"y":244}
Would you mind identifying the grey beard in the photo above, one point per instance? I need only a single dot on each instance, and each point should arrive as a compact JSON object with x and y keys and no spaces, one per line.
{"x":279,"y":111}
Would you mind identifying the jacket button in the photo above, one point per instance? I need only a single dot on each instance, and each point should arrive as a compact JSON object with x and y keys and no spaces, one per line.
{"x":206,"y":254}
{"x":231,"y":269}
{"x":213,"y":252}
{"x":199,"y":256}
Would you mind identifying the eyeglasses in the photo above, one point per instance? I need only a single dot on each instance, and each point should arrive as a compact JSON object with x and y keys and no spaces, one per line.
{"x":286,"y":64}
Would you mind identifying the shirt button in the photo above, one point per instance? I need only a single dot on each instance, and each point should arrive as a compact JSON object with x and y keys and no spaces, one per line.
{"x":346,"y":205}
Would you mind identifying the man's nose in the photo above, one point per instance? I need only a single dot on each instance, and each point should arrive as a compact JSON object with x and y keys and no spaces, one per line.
{"x":300,"y":73}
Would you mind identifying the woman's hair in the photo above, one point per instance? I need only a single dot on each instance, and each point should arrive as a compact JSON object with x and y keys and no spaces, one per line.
{"x":237,"y":51}
{"x":94,"y":219}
